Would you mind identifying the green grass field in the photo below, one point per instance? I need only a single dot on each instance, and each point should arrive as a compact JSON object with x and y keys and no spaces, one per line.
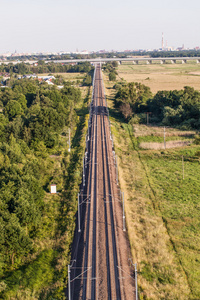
{"x":178,"y":202}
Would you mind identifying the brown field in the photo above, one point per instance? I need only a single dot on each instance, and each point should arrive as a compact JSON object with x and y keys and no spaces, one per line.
{"x":162,"y":77}
{"x":158,"y":146}
{"x":144,"y":130}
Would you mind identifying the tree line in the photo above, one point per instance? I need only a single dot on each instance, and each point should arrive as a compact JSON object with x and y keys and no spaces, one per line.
{"x":42,"y":67}
{"x":181,"y":53}
{"x":110,"y":68}
{"x":170,"y":108}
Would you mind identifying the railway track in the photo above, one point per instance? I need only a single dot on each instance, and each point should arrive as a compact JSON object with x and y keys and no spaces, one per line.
{"x":100,"y":265}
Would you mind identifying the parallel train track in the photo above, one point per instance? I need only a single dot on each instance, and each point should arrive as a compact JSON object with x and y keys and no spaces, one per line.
{"x":97,"y":254}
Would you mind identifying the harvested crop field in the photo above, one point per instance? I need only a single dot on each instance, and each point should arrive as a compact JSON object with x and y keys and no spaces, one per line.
{"x":170,"y":144}
{"x":162,"y":77}
{"x":144,"y":130}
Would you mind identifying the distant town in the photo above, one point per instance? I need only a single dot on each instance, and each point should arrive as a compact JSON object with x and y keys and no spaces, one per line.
{"x":165,"y":48}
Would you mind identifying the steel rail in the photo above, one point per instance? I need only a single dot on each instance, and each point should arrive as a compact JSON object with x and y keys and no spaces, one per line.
{"x":105,"y":194}
{"x":89,"y":192}
{"x":110,"y":203}
{"x":106,"y":215}
{"x":117,"y":221}
{"x":95,"y":195}
{"x":82,"y":239}
{"x":99,"y":257}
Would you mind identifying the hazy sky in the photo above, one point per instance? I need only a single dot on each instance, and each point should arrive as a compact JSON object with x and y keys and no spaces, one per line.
{"x":47,"y":25}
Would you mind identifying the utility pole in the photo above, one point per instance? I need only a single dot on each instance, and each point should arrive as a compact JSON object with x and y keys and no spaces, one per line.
{"x":79,"y":217}
{"x":164,"y":139}
{"x":86,"y":159}
{"x":69,"y":283}
{"x":83,"y":171}
{"x":124,"y":223}
{"x":148,"y":113}
{"x":116,"y":170}
{"x":136,"y":291}
{"x":183,"y":166}
{"x":136,"y":287}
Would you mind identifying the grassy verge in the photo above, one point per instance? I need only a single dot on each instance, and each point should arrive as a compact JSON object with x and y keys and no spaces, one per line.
{"x":162,"y":211}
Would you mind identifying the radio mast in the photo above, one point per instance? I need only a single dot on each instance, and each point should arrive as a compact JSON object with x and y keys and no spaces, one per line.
{"x":162,"y":41}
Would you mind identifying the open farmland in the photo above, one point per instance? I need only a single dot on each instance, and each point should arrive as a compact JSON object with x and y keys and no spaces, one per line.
{"x":162,"y":204}
{"x":162,"y":77}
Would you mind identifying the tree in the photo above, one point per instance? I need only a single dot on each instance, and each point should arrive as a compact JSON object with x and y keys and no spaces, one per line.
{"x":21,"y":99}
{"x":112,"y":76}
{"x":126,"y":110}
{"x":87,"y":80}
{"x":133,"y":93}
{"x":12,"y":109}
{"x":15,"y":242}
{"x":115,"y":64}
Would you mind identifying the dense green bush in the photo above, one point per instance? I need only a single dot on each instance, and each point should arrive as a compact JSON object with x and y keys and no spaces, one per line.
{"x":134,"y":94}
{"x":112,"y":76}
{"x":170,"y":108}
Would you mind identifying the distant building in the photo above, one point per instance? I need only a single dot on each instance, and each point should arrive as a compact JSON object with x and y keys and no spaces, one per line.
{"x":45,"y":78}
{"x":28,"y":76}
{"x":49,"y":82}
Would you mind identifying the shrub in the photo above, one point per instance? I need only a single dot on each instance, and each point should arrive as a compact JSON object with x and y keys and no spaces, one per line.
{"x":197,"y":140}
{"x":135,"y":120}
{"x":112,"y":76}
